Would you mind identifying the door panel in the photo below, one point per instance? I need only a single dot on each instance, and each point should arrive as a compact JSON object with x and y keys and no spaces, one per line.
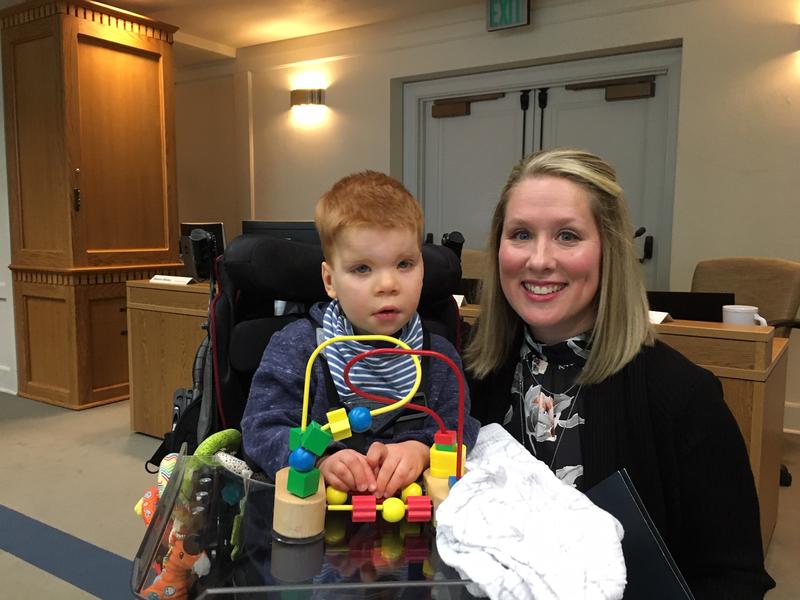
{"x":630,"y":135}
{"x":108,"y":342}
{"x":122,"y":168}
{"x":120,"y":145}
{"x":34,"y":131}
{"x":467,"y":162}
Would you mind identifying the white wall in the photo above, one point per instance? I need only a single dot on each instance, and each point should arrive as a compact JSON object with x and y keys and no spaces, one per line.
{"x":739,"y":123}
{"x":213,"y":175}
{"x":8,"y":354}
{"x":737,"y":175}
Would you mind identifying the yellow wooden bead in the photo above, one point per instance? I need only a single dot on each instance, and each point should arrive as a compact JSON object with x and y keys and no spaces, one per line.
{"x":334,"y":496}
{"x":443,"y":462}
{"x":412,"y":489}
{"x":393,"y":510}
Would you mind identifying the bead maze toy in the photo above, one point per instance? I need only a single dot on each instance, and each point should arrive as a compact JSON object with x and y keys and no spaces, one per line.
{"x":301,"y":501}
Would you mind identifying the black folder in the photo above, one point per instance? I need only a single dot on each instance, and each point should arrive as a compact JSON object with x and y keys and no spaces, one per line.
{"x":652,"y":572}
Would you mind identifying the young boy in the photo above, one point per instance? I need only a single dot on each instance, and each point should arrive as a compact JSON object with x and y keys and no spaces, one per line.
{"x":371,"y":232}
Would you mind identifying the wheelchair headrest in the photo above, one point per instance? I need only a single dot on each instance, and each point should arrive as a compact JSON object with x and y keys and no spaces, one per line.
{"x":274,"y":268}
{"x":442,"y":274}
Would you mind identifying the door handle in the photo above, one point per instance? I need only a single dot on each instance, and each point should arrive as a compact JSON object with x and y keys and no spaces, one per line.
{"x":648,"y":249}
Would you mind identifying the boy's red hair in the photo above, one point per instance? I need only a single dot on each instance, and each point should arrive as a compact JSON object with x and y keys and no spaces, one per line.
{"x":366,"y":199}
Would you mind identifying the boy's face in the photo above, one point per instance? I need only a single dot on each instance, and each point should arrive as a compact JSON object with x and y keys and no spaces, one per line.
{"x":376,"y":274}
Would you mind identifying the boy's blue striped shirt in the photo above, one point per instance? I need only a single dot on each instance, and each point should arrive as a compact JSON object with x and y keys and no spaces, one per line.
{"x":384,"y":375}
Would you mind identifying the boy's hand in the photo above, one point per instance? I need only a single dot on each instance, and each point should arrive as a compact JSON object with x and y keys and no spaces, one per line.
{"x":347,"y":470}
{"x":396,"y":465}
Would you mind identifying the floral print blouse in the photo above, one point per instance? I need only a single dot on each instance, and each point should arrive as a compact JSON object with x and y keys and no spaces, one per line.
{"x":548,"y":403}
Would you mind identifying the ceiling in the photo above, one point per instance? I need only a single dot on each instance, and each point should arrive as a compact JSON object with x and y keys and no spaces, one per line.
{"x":223,"y":26}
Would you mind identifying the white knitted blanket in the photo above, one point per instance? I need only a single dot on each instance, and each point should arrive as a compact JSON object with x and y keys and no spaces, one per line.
{"x":516,"y":531}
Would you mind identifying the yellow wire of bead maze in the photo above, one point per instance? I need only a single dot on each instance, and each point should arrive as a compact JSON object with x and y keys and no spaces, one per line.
{"x":360,"y":338}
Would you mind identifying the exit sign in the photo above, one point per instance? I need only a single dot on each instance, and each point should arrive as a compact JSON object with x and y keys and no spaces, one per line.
{"x":503,"y":14}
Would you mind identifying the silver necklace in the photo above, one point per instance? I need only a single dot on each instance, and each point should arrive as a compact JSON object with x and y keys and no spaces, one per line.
{"x":548,"y":392}
{"x":538,"y":357}
{"x":572,"y":405}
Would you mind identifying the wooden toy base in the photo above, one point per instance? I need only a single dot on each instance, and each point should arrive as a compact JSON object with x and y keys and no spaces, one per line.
{"x":437,"y":489}
{"x":298,"y":518}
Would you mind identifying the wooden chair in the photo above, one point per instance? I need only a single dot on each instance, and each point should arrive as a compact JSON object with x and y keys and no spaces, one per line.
{"x":771,"y":284}
{"x":472,"y":263}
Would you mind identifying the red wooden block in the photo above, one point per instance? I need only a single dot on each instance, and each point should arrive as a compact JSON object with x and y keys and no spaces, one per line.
{"x":446,"y":438}
{"x":419,"y":509}
{"x":364,"y":510}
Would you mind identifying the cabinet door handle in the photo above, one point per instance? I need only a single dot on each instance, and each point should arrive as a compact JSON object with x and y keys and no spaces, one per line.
{"x":76,"y":198}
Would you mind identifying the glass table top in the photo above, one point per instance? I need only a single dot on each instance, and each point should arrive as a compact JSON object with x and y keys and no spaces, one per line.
{"x":208,"y":512}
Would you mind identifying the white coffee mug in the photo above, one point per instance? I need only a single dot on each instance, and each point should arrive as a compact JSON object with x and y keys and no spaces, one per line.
{"x":741,"y":314}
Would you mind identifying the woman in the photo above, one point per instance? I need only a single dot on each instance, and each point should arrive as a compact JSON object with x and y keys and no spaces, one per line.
{"x":564,"y":357}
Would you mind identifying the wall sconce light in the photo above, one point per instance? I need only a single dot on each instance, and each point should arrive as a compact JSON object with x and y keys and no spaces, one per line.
{"x":307,"y":96}
{"x":308,"y":107}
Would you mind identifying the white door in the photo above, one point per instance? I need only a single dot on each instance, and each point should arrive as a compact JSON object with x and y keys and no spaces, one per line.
{"x":466,"y":164}
{"x":631,"y":136}
{"x":457,"y":166}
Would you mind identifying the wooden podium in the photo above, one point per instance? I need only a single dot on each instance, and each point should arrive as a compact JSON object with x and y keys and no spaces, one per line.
{"x":164,"y":331}
{"x":751,"y":364}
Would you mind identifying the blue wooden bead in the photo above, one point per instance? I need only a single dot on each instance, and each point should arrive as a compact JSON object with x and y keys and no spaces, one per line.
{"x":302,"y":460}
{"x":360,"y":419}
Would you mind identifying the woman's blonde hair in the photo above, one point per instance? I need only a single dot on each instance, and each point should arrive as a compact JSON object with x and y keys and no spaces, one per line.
{"x":622,"y":323}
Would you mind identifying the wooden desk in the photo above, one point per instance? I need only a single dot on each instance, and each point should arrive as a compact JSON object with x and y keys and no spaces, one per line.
{"x":470,"y":312}
{"x":751,"y":364}
{"x":164,"y":331}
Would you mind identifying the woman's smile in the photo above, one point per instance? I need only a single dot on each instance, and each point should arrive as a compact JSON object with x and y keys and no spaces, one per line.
{"x":543,"y":289}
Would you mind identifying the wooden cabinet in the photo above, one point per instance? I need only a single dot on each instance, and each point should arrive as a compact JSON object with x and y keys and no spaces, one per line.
{"x":164,"y":331}
{"x":90,"y":157}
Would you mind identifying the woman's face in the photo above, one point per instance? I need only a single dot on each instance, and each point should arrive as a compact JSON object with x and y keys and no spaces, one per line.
{"x":549,"y":258}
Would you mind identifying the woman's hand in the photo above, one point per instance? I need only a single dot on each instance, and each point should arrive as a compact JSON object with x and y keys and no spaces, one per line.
{"x":396,"y":465}
{"x":348,"y":470}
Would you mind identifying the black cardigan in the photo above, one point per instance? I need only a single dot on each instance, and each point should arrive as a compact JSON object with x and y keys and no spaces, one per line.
{"x":664,"y":419}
